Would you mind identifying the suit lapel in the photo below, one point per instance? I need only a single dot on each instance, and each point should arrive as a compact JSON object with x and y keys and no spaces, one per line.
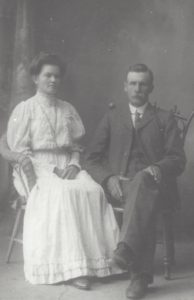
{"x":125,"y":115}
{"x":127,"y":120}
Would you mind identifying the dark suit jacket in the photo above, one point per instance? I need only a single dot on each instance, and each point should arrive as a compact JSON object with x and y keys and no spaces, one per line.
{"x":160,"y":140}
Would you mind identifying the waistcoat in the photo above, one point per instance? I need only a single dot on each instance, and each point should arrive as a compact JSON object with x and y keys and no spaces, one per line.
{"x":137,"y":160}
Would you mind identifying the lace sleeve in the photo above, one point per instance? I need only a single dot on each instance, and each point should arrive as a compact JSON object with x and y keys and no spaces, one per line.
{"x":18,"y":130}
{"x":76,"y":126}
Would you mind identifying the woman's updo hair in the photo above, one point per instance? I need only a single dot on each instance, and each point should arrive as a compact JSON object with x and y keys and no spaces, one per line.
{"x":43,"y":59}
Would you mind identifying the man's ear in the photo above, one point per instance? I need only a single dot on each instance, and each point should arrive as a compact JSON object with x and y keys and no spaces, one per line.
{"x":151,"y":87}
{"x":125,"y":87}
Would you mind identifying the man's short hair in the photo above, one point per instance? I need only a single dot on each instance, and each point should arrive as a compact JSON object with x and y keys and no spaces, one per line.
{"x":141,"y":68}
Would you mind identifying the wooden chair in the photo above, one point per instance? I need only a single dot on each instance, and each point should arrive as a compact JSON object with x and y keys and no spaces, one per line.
{"x":168,"y":216}
{"x":20,"y":204}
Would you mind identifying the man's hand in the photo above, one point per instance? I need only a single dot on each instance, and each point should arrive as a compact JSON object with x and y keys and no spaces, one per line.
{"x":155,"y":172}
{"x":28,"y":169}
{"x":70,"y":172}
{"x":114,"y":187}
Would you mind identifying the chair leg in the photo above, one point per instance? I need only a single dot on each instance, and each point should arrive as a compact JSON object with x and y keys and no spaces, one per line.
{"x":168,"y":241}
{"x":14,"y":233}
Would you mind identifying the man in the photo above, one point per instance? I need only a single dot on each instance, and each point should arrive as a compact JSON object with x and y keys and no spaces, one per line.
{"x":136,"y":155}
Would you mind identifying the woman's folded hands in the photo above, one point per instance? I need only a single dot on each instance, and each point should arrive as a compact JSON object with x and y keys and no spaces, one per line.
{"x":70,"y":172}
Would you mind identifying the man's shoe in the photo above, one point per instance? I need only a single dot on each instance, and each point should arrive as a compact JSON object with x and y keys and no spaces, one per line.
{"x":123,"y":256}
{"x":82,"y":283}
{"x":137,"y":288}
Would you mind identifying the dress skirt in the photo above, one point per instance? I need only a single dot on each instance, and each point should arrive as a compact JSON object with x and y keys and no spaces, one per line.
{"x":69,"y":230}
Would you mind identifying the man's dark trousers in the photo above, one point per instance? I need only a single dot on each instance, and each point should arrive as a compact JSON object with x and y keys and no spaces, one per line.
{"x":139,"y":220}
{"x":140,"y":194}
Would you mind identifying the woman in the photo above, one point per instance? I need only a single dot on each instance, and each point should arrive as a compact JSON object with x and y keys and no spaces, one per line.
{"x":69,"y":229}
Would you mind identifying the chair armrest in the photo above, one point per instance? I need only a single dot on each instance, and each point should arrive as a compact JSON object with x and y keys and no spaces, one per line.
{"x":19,"y":171}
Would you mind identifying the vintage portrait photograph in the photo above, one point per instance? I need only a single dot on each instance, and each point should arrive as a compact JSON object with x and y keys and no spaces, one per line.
{"x":96,"y":149}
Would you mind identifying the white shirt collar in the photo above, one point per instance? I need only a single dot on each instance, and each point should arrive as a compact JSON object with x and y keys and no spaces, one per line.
{"x":139,"y":109}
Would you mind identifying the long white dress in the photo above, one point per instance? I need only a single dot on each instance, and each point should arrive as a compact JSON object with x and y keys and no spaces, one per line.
{"x":69,"y":228}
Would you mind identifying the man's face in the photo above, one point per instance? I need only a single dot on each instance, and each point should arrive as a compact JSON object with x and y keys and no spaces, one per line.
{"x":138,"y":87}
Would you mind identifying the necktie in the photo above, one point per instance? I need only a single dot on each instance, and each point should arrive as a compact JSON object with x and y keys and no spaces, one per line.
{"x":137,"y":119}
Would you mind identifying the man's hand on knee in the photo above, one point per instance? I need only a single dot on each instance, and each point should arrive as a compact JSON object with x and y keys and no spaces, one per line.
{"x":114,"y":188}
{"x":155,"y":172}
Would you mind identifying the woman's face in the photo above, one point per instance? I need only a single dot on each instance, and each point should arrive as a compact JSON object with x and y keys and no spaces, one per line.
{"x":48,"y":80}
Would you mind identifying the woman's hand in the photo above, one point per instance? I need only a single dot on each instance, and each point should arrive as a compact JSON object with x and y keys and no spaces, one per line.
{"x":70,"y":172}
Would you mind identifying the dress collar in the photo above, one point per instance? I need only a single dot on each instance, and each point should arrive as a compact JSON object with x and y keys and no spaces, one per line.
{"x":46,"y":100}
